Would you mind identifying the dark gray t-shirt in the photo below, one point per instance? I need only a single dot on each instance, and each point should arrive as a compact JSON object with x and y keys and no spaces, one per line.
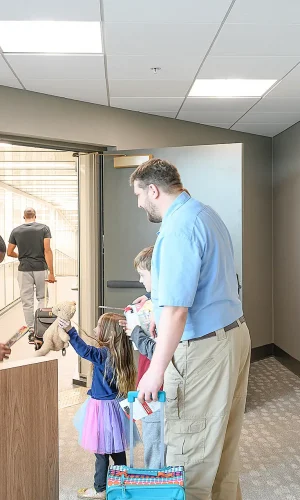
{"x":29,"y":238}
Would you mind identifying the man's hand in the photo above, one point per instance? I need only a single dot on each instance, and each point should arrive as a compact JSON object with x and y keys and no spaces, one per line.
{"x":149,"y":386}
{"x":4,"y":352}
{"x":141,"y":300}
{"x":51,"y":278}
{"x":152,"y":329}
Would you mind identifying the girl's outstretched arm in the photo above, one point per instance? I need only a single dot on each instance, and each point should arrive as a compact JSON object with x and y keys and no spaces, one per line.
{"x":96,"y":355}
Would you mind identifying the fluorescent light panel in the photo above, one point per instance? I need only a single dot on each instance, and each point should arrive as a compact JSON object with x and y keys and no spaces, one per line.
{"x":54,"y":37}
{"x":6,"y":177}
{"x":230,"y":88}
{"x":23,"y":165}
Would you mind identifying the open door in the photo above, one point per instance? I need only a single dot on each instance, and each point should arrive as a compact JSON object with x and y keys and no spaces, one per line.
{"x":212,"y":174}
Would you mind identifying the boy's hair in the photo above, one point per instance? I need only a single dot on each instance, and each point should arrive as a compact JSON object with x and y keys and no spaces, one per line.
{"x":143,"y":259}
{"x":120,"y":360}
{"x":158,"y":172}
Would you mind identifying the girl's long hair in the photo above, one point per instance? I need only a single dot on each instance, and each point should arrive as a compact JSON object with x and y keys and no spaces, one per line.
{"x":111,"y":335}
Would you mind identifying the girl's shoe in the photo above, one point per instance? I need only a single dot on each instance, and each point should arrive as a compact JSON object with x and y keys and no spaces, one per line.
{"x":90,"y":494}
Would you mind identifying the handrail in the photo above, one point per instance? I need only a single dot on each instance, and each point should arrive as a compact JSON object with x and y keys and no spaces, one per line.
{"x":64,"y":254}
{"x":65,"y":265}
{"x":9,"y":289}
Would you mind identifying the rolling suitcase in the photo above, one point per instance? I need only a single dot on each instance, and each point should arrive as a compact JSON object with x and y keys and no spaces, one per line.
{"x":128,"y":483}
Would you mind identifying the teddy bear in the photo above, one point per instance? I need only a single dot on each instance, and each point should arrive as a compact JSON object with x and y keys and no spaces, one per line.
{"x":55,"y":338}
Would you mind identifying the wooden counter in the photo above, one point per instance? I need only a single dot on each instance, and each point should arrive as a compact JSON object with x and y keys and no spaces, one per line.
{"x":29,"y":430}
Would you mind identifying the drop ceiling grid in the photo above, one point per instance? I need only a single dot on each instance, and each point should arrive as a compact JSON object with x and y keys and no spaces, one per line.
{"x":177,"y":37}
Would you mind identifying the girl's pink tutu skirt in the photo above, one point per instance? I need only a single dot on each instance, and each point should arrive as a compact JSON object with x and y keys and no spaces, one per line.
{"x":103,"y":427}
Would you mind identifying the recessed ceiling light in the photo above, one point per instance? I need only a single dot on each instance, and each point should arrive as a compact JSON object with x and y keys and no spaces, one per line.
{"x":230,"y":88}
{"x":56,"y":37}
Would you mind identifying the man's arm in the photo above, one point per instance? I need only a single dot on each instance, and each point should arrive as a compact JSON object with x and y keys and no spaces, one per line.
{"x":11,"y":246}
{"x":180,"y":265}
{"x":49,"y":259}
{"x":2,"y":249}
{"x":11,"y":251}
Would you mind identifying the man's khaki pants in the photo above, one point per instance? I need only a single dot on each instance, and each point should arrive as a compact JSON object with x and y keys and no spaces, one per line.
{"x":206,"y":387}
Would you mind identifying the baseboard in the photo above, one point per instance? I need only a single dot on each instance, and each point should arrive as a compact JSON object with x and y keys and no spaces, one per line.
{"x":287,"y":360}
{"x":79,"y":381}
{"x":262,"y":352}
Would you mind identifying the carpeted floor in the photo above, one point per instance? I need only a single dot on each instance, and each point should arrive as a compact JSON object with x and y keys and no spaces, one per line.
{"x":270,"y":445}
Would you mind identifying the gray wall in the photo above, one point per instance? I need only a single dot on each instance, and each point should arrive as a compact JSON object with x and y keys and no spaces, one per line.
{"x":39,"y":116}
{"x":204,"y":170}
{"x":286,"y":206}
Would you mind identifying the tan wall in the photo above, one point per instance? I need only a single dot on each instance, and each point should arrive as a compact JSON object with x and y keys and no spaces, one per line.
{"x":35,"y":115}
{"x":286,"y":194}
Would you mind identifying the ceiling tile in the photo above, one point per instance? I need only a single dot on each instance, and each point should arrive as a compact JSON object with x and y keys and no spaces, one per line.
{"x":168,"y":11}
{"x":146,"y":88}
{"x":266,"y":12}
{"x":80,"y":90}
{"x":278,"y":105}
{"x":61,"y":67}
{"x":229,"y":105}
{"x":289,"y":87}
{"x":147,"y":104}
{"x":56,"y":10}
{"x":259,"y":67}
{"x":267,"y":129}
{"x":208,"y":117}
{"x":173,"y":67}
{"x":162,"y":39}
{"x":7,"y":78}
{"x":257,"y":40}
{"x":253,"y":117}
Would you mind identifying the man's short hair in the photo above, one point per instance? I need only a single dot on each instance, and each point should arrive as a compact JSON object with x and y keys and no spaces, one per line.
{"x":143,"y":259}
{"x":29,"y":213}
{"x":161,"y":173}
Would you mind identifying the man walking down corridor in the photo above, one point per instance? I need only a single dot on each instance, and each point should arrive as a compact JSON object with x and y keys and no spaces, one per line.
{"x":35,"y":255}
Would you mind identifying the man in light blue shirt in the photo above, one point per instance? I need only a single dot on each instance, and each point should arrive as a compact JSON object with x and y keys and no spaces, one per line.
{"x":193,"y":267}
{"x":203,"y":345}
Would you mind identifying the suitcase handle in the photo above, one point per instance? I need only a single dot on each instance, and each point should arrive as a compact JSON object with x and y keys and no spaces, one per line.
{"x":132,"y":395}
{"x":47,"y":291}
{"x":148,"y":472}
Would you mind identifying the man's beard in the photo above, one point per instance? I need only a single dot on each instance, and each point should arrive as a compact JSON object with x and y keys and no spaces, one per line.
{"x":152,"y":213}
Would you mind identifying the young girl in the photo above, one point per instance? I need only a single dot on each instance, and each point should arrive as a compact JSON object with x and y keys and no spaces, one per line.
{"x":102,"y":424}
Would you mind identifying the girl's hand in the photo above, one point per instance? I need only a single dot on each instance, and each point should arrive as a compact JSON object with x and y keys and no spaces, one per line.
{"x":65,"y":325}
